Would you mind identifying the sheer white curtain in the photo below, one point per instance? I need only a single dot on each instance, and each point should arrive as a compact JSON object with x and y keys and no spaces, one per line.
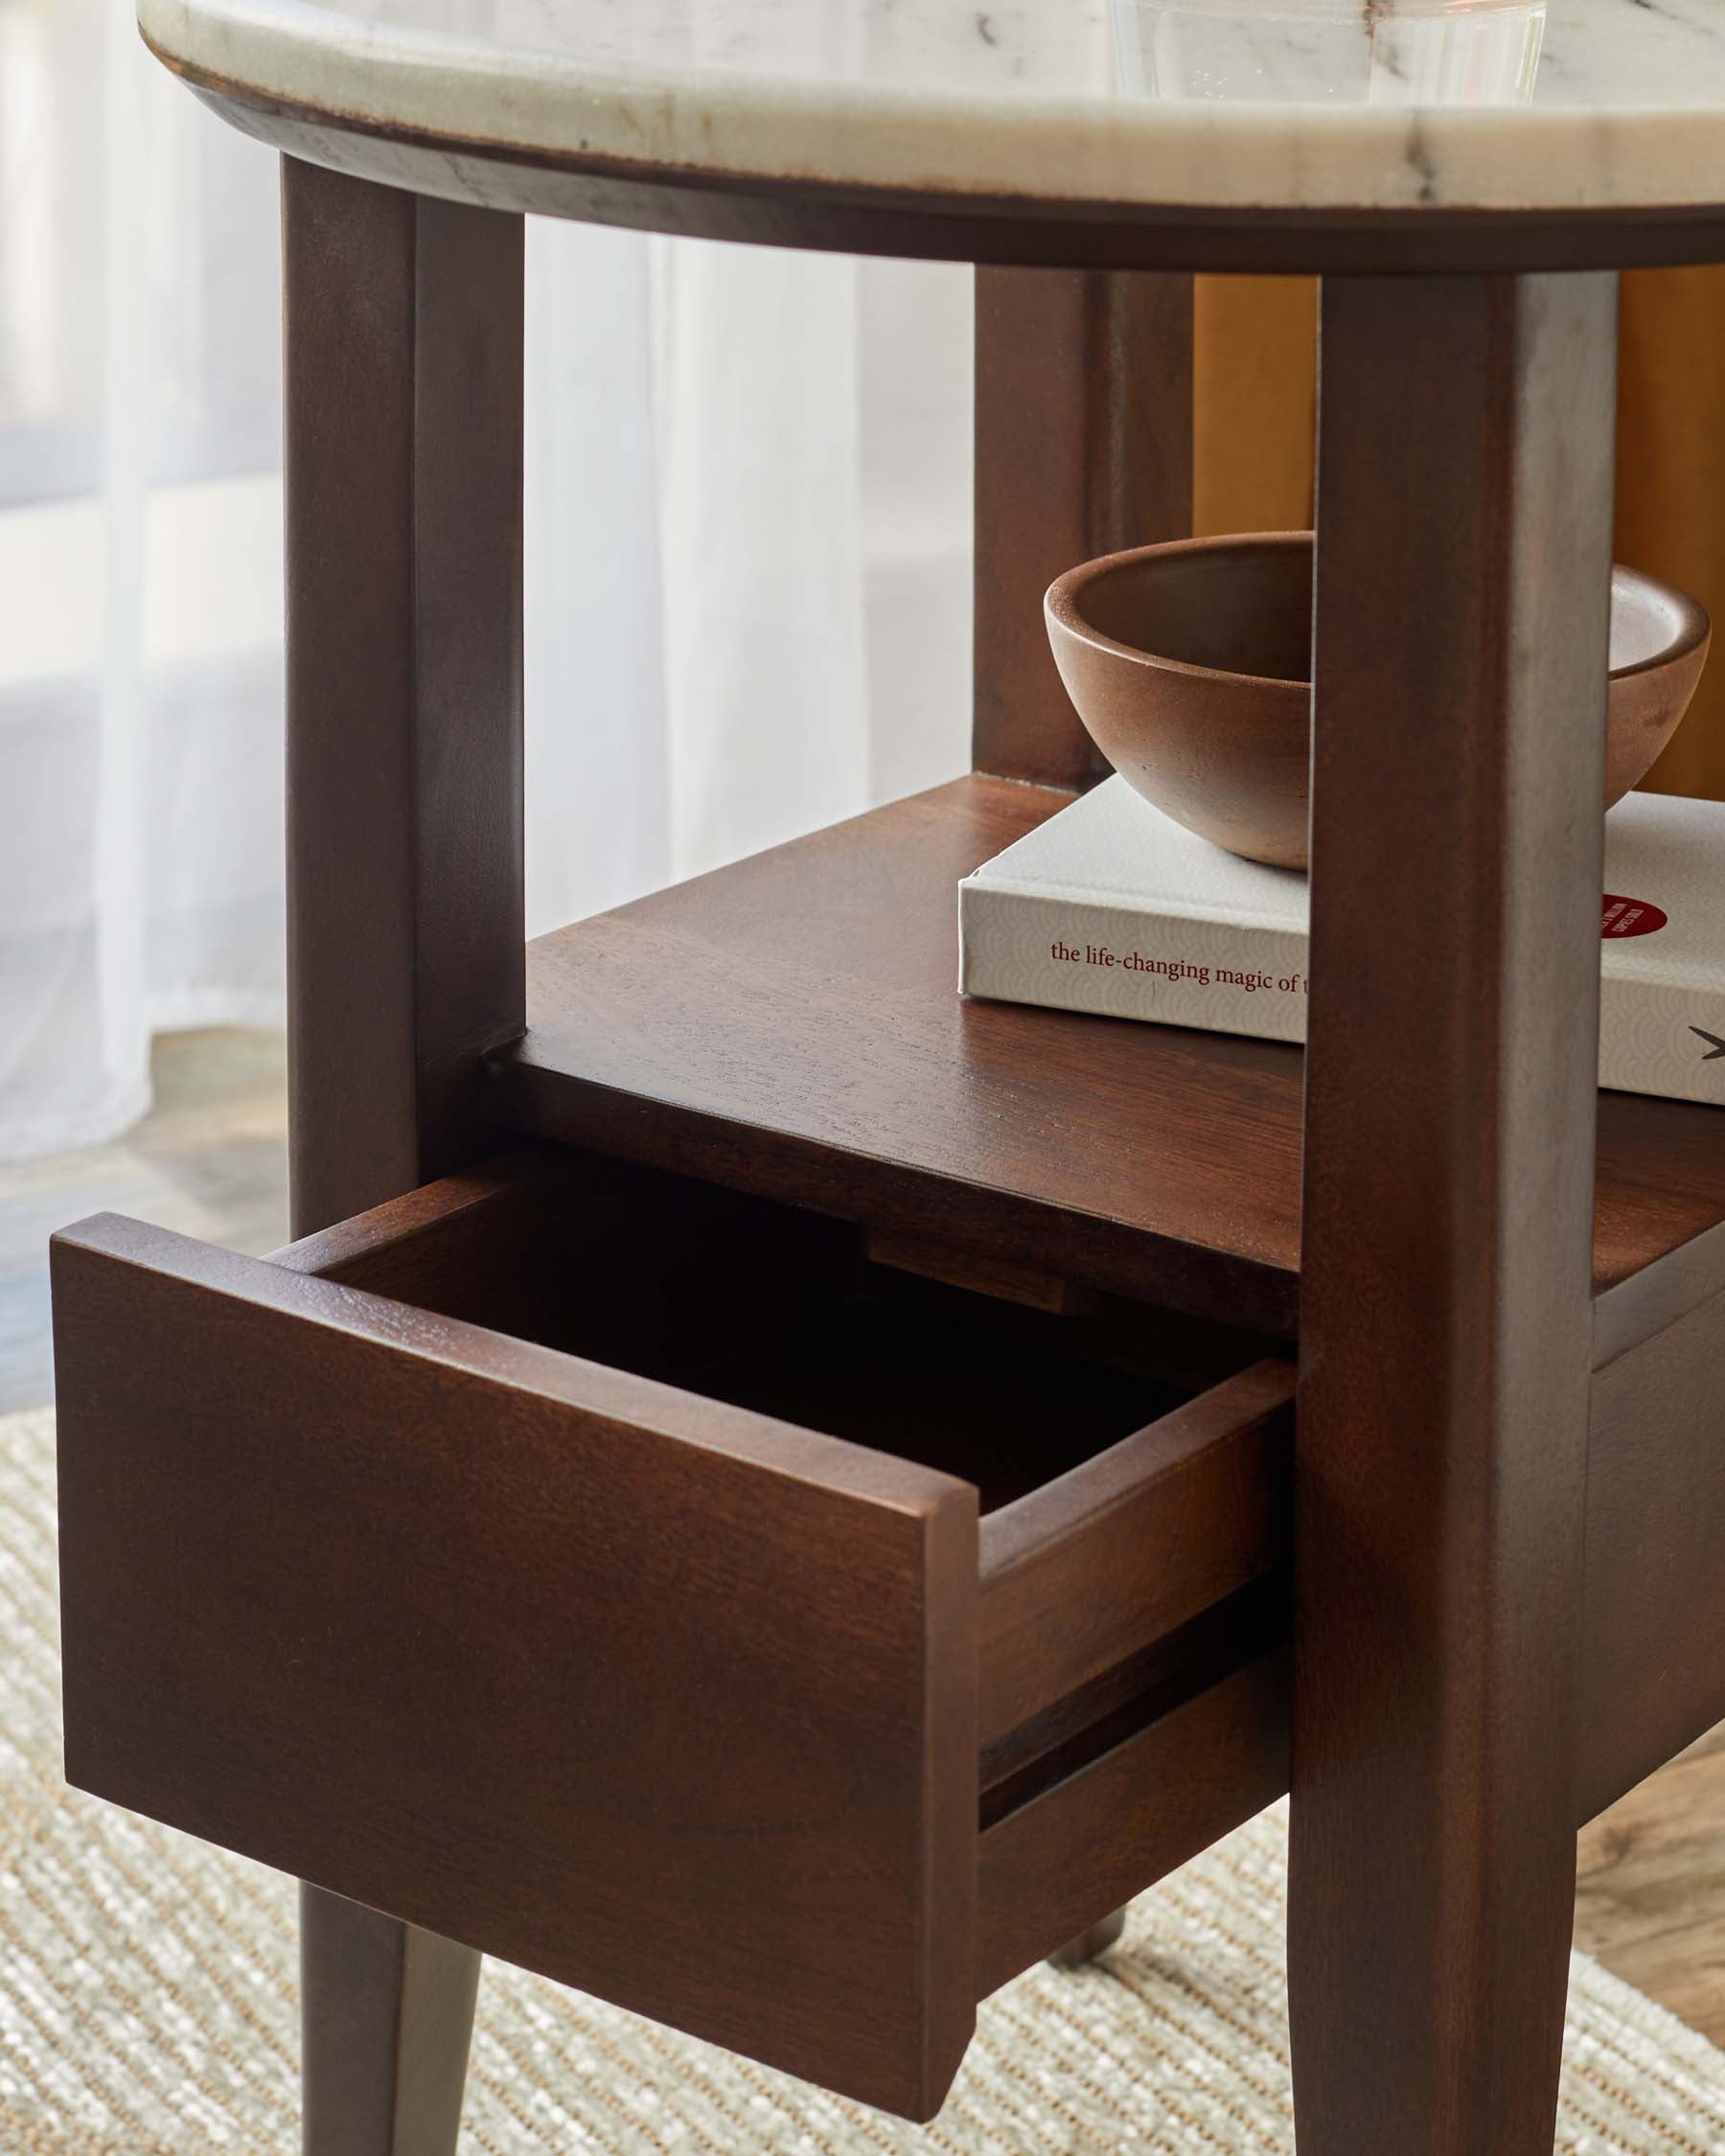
{"x":747,"y":500}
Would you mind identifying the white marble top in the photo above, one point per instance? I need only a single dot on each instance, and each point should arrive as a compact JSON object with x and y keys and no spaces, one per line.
{"x":1349,"y":104}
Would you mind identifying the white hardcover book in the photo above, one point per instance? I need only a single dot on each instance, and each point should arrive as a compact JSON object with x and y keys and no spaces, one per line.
{"x":1110,"y":907}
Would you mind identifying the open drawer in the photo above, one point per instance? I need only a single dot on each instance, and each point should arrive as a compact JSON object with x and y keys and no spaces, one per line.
{"x":585,"y":1563}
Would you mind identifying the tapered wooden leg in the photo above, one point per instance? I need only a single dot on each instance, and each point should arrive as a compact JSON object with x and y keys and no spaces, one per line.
{"x":388,"y":2016}
{"x":1464,"y":551}
{"x":1098,"y":1939}
{"x":404,"y":390}
{"x":405,"y":937}
{"x":1084,"y":445}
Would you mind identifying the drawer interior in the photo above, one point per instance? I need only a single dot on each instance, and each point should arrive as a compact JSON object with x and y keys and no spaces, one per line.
{"x":790,"y":1314}
{"x":931,"y":1379}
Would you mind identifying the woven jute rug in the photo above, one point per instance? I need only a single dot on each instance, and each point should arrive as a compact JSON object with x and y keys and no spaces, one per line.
{"x":147,"y":2009}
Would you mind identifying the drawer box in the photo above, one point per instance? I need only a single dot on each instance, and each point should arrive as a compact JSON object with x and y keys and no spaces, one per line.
{"x":630,"y":1578}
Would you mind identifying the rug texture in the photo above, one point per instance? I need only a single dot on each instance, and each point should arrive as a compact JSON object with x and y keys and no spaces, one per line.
{"x":147,"y":2009}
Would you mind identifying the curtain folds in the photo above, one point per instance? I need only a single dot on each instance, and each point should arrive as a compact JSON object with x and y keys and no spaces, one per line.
{"x":746,"y":597}
{"x":747,"y":501}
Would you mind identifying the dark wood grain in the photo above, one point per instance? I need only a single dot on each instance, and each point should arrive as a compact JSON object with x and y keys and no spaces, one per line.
{"x":792,"y":1024}
{"x":524,"y":1650}
{"x":730,"y":1663}
{"x":1052,"y":1867}
{"x":1100,"y":1551}
{"x":1084,"y":1574}
{"x":403,"y":397}
{"x":1091,"y":1944}
{"x":433,"y":1247}
{"x":1654,"y":1611}
{"x":402,"y":383}
{"x":388,"y":2018}
{"x":1659,"y":1187}
{"x":1653,"y":1671}
{"x":642,"y":1270}
{"x":1640,"y":1306}
{"x":1144,"y":1579}
{"x":1017,"y":230}
{"x":1462,"y":609}
{"x":1084,"y":446}
{"x":789,"y":1025}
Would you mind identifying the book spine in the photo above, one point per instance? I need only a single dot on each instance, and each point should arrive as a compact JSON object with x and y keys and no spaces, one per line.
{"x":1657,"y":1037}
{"x":1018,"y":947}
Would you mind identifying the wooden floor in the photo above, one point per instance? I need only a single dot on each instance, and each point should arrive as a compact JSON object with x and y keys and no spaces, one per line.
{"x":1651,"y":1899}
{"x":210,"y":1161}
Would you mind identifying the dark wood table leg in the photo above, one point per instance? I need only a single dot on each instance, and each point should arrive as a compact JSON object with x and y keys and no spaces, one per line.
{"x":403,"y":389}
{"x":389,"y":2013}
{"x":406,"y":931}
{"x":1084,"y":445}
{"x":1098,"y":1939}
{"x":1463,"y":553}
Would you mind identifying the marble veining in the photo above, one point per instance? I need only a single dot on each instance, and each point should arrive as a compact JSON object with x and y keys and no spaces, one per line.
{"x":1538,"y":105}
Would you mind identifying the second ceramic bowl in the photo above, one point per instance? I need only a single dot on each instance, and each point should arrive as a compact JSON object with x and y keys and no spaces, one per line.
{"x":1189,"y":666}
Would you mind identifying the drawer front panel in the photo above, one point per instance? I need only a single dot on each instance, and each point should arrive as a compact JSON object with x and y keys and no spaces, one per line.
{"x":531,"y":1652}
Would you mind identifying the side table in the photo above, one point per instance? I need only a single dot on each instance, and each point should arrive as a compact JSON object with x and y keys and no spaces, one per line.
{"x":772,"y":1495}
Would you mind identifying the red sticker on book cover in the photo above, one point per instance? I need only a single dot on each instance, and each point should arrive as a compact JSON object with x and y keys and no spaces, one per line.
{"x":1630,"y":917}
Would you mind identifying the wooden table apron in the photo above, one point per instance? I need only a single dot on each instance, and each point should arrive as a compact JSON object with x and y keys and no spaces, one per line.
{"x":1463,"y":514}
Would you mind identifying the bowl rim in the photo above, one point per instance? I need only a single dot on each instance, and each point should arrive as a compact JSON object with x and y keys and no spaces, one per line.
{"x":1063,"y":601}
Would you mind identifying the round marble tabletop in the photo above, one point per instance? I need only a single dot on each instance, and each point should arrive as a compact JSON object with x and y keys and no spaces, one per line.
{"x":1533,"y":114}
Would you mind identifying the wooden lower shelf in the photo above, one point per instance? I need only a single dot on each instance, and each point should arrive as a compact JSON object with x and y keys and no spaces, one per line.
{"x":791,"y":1026}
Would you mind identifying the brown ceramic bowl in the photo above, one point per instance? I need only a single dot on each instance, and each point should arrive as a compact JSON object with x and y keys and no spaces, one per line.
{"x":1190,"y":666}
